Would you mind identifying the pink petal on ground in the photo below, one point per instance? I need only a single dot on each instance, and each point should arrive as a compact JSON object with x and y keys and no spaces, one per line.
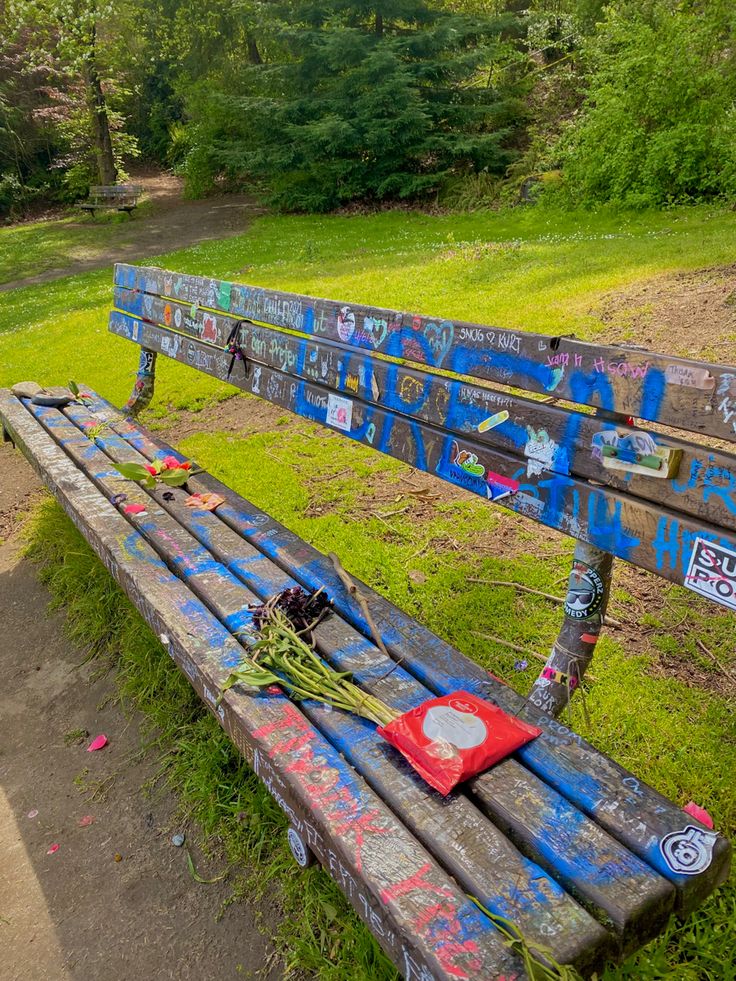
{"x":33,"y":814}
{"x":86,"y":821}
{"x":134,"y":509}
{"x":699,"y":813}
{"x":99,"y":742}
{"x":53,"y":849}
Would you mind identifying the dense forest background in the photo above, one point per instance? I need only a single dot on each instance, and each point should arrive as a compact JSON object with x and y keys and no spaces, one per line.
{"x":319,"y":104}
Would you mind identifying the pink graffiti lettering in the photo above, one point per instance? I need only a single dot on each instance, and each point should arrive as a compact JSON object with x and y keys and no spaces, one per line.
{"x":416,"y":881}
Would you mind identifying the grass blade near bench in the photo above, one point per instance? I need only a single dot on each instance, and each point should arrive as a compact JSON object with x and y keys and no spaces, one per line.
{"x":631,"y":811}
{"x":493,"y":869}
{"x":398,"y":896}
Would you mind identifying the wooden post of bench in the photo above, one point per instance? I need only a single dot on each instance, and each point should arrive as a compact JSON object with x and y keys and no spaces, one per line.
{"x":585,"y":607}
{"x":144,"y":383}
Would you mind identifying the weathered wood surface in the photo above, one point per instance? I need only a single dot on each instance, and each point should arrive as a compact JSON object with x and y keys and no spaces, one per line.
{"x":674,"y":391}
{"x":634,"y":901}
{"x":543,"y":436}
{"x":628,"y":809}
{"x":420,"y":917}
{"x":645,"y":534}
{"x":485,"y":863}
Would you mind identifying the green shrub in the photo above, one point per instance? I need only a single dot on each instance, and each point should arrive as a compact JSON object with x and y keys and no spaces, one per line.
{"x":659,"y":125}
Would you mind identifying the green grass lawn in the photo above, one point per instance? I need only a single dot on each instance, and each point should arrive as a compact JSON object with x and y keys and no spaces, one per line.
{"x":35,"y":247}
{"x":524,"y":269}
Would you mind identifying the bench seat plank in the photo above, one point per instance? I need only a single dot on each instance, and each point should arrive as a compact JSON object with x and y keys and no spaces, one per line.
{"x":419,"y":916}
{"x":639,"y":531}
{"x":634,"y":902}
{"x":674,"y":391}
{"x":628,"y":809}
{"x":703,"y":484}
{"x":483,"y":860}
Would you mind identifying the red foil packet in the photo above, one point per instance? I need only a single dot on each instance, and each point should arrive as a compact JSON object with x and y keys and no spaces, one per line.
{"x":452,"y":738}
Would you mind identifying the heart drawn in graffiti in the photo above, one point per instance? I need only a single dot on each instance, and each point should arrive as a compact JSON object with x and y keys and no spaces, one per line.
{"x":376,"y":329}
{"x":439,"y":337}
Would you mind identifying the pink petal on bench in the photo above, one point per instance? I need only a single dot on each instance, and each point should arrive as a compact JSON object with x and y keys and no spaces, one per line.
{"x":134,"y":509}
{"x":699,"y":813}
{"x":99,"y":742}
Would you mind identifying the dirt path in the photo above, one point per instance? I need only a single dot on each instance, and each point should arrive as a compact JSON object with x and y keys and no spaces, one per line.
{"x":79,"y":914}
{"x":173,"y":223}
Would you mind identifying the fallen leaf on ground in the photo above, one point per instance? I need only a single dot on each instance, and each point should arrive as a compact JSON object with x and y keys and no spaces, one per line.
{"x":99,"y":742}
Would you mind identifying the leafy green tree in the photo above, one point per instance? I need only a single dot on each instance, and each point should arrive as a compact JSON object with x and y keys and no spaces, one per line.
{"x":87,"y":49}
{"x":659,"y":123}
{"x":373,"y":100}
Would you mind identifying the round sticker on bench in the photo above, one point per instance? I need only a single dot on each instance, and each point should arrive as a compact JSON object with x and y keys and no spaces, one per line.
{"x":584,"y":593}
{"x":689,"y":851}
{"x":443,"y":723}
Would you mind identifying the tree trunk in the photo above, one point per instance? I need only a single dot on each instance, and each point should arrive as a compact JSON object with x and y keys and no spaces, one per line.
{"x":254,"y":55}
{"x":106,"y":168}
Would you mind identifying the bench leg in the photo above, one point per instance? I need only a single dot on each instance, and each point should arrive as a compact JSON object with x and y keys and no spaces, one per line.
{"x":144,"y":382}
{"x":585,"y":607}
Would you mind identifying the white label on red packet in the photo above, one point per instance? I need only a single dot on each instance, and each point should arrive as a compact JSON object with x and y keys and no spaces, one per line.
{"x":442,"y":723}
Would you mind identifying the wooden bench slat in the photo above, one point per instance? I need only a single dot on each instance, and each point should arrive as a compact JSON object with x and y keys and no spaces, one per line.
{"x":635,"y":902}
{"x":639,"y":531}
{"x":419,"y":916}
{"x":677,"y":392}
{"x":560,"y":440}
{"x":488,"y":866}
{"x":632,"y":812}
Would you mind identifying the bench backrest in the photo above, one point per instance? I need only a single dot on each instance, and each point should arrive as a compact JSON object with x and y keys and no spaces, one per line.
{"x":417,"y":388}
{"x":115,"y":194}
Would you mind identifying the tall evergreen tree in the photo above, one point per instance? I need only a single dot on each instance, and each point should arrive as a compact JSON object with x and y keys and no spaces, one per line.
{"x":369,"y":100}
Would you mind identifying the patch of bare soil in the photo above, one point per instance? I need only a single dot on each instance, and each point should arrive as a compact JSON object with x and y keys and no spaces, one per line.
{"x":115,"y":900}
{"x":240,"y":415}
{"x":690,"y":314}
{"x":171,"y":223}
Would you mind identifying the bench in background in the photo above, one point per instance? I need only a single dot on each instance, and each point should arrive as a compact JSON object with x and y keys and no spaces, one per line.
{"x":120,"y":197}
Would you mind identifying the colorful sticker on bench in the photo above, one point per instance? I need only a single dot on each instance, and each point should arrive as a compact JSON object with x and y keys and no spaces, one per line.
{"x":689,"y":376}
{"x":493,"y":421}
{"x":712,"y":572}
{"x":688,"y":852}
{"x":498,"y":486}
{"x":339,"y":412}
{"x":552,"y":674}
{"x":584,"y":593}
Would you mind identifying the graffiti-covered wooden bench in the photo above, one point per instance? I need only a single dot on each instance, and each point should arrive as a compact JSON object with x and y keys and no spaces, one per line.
{"x":416,"y":387}
{"x":117,"y":197}
{"x":581,"y":856}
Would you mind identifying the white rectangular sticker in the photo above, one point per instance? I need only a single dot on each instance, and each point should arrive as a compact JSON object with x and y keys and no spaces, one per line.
{"x":712,"y":572}
{"x":339,"y":412}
